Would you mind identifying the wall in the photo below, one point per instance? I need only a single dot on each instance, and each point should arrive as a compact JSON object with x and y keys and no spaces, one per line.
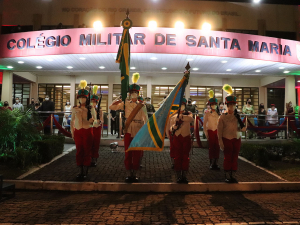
{"x":221,"y":15}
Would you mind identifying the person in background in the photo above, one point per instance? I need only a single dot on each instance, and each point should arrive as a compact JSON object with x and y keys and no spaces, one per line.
{"x":47,"y":105}
{"x":261,"y":116}
{"x":113,"y":121}
{"x":290,"y":113}
{"x":150,"y":107}
{"x":190,"y":107}
{"x":37,"y":106}
{"x":18,"y":105}
{"x":5,"y":106}
{"x":207,"y":109}
{"x":221,"y":108}
{"x":272,"y":118}
{"x":31,"y":105}
{"x":67,"y":109}
{"x":248,"y":109}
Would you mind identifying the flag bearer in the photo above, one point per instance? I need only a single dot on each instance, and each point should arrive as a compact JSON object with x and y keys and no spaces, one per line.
{"x":132,"y":158}
{"x":182,"y":141}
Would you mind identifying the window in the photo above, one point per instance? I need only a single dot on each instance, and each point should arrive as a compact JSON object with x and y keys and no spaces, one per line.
{"x":117,"y":91}
{"x":58,"y":93}
{"x":22,"y":91}
{"x":201,"y":96}
{"x":103,"y":89}
{"x":243,"y":93}
{"x":159,"y":92}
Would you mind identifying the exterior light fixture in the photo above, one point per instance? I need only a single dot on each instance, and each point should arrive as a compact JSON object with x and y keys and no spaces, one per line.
{"x":164,"y":68}
{"x":228,"y":70}
{"x":286,"y":71}
{"x":97,"y":25}
{"x":20,"y":62}
{"x":39,"y":67}
{"x":10,"y":67}
{"x":206,"y":27}
{"x":179,"y":25}
{"x":257,"y":71}
{"x":70,"y":67}
{"x":101,"y":67}
{"x":152,"y":25}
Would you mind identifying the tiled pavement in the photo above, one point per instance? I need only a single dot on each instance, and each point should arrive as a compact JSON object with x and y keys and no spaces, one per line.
{"x":156,"y":168}
{"x":136,"y":208}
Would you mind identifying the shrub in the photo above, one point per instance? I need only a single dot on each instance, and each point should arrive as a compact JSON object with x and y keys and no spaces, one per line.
{"x":49,"y":147}
{"x":255,"y":153}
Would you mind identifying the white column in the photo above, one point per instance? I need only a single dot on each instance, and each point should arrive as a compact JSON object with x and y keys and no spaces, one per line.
{"x":34,"y":89}
{"x":149,"y":87}
{"x":263,"y":96}
{"x":187,"y":91}
{"x":290,"y":90}
{"x":72,"y":90}
{"x":7,"y":84}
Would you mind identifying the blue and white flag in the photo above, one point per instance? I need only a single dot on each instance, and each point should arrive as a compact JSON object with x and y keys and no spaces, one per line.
{"x":151,"y":136}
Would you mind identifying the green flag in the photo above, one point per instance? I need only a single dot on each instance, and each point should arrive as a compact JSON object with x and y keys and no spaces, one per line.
{"x":123,"y":57}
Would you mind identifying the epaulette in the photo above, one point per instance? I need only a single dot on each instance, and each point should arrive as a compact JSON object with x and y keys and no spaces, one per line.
{"x":226,"y":114}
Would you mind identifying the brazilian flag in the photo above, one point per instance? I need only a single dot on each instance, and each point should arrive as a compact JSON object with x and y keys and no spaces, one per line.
{"x":123,"y":57}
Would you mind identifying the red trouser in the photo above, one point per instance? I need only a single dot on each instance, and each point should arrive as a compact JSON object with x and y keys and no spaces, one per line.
{"x":96,"y":142}
{"x":213,"y":142}
{"x":182,"y":147}
{"x":132,"y":158}
{"x":231,"y":153}
{"x":83,"y":141}
{"x":172,"y":152}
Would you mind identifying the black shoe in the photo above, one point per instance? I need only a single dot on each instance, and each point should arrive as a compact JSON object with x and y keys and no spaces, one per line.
{"x":172,"y":166}
{"x":184,"y":180}
{"x":179,"y":180}
{"x":135,"y":179}
{"x":227,"y":180}
{"x":128,"y":179}
{"x":93,"y":164}
{"x":80,"y":177}
{"x":215,"y":167}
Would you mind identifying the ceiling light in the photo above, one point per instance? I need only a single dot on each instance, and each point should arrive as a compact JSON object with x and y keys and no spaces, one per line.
{"x":189,"y":59}
{"x":257,"y":71}
{"x":39,"y":67}
{"x":153,"y":58}
{"x":132,"y":68}
{"x":179,"y":25}
{"x":101,"y":67}
{"x":10,"y":67}
{"x":224,"y":61}
{"x":152,"y":25}
{"x":206,"y":27}
{"x":298,"y":81}
{"x":20,"y":62}
{"x":286,"y":71}
{"x":256,"y":1}
{"x":281,"y":68}
{"x":228,"y":69}
{"x":82,"y":58}
{"x":49,"y":59}
{"x":97,"y":25}
{"x":70,"y":67}
{"x":164,"y":68}
{"x":195,"y":69}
